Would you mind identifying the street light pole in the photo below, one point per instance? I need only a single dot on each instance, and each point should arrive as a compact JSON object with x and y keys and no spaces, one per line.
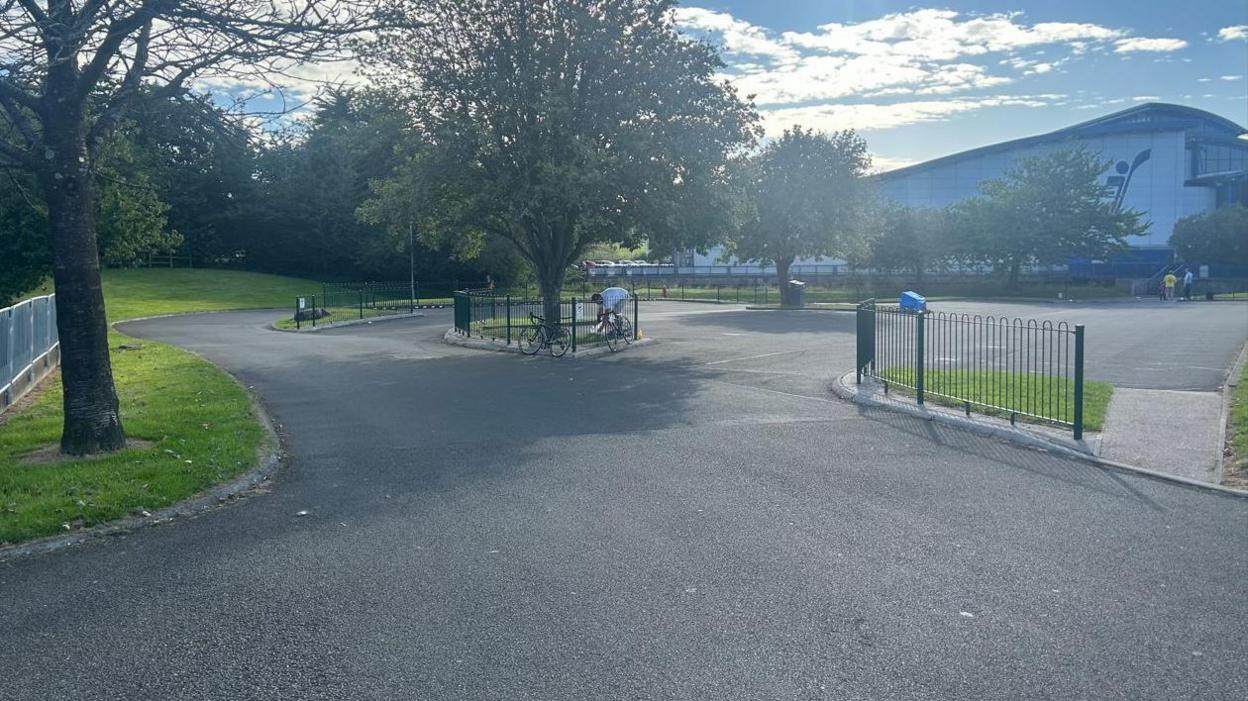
{"x":411,"y":260}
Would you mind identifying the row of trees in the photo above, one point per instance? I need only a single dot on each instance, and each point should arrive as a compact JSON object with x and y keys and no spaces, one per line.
{"x":495,"y":131}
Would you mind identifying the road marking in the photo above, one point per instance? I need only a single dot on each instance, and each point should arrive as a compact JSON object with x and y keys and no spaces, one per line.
{"x":756,"y":357}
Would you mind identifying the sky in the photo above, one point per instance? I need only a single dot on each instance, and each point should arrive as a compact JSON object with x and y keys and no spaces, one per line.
{"x":922,"y":81}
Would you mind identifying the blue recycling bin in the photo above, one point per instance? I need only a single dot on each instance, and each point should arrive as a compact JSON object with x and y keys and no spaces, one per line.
{"x":913,"y":302}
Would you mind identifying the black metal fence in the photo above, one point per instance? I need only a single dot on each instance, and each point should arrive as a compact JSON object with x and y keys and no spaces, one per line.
{"x":506,"y":318}
{"x":346,"y":301}
{"x":1000,"y":365}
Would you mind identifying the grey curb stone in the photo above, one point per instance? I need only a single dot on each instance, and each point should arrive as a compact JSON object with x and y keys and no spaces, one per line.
{"x":452,"y":338}
{"x":845,"y":388}
{"x":352,"y":322}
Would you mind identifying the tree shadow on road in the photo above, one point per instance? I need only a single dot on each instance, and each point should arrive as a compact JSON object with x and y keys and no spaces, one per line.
{"x":1046,"y":465}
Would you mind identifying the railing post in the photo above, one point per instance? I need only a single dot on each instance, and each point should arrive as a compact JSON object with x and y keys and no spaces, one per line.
{"x":361,"y":293}
{"x":918,"y":356}
{"x":573,"y":324}
{"x":508,"y":320}
{"x":314,"y":311}
{"x":297,"y":326}
{"x":1078,"y":382}
{"x":636,"y":319}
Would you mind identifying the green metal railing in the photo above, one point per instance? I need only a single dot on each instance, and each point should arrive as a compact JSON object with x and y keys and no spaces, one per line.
{"x":502,"y":317}
{"x":1000,"y":365}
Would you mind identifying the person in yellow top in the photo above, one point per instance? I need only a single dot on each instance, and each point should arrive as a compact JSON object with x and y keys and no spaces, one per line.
{"x":1170,"y":282}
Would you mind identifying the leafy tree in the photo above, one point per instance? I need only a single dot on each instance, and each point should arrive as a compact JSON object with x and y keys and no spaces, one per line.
{"x":1220,"y":236}
{"x":71,"y":70}
{"x":560,"y":123}
{"x":1046,"y":209}
{"x":24,"y":247}
{"x":201,"y":162}
{"x":130,"y":216}
{"x":806,"y":196}
{"x":909,"y":239}
{"x":314,"y":177}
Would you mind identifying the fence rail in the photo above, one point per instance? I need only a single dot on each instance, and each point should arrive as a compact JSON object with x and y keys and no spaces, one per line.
{"x":998,"y":364}
{"x":29,"y":346}
{"x":502,"y":317}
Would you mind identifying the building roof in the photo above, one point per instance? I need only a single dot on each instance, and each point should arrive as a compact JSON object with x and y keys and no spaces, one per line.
{"x":1150,"y":116}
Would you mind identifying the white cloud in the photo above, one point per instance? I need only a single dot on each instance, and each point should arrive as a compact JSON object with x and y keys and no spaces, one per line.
{"x":899,"y":57}
{"x":882,"y":164}
{"x":1230,"y":77}
{"x":1134,"y":44}
{"x":1237,"y":32}
{"x":1146,"y":98}
{"x":876,"y":116}
{"x":944,"y":35}
{"x":738,"y":36}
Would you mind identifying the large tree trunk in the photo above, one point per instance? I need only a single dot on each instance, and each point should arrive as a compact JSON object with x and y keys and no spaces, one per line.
{"x":787,"y":298}
{"x":92,"y":420}
{"x":550,"y":282}
{"x":1016,"y":268}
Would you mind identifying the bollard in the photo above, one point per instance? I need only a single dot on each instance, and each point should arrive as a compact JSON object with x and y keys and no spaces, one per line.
{"x":918,"y":356}
{"x":636,"y":320}
{"x":1078,"y":382}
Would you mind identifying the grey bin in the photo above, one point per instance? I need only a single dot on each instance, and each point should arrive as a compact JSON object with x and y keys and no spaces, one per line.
{"x":797,"y":293}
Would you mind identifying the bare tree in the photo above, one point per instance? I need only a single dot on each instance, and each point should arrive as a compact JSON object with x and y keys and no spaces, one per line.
{"x":69,"y":69}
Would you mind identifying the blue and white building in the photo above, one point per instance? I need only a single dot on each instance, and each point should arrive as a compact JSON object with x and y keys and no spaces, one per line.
{"x":1167,"y":161}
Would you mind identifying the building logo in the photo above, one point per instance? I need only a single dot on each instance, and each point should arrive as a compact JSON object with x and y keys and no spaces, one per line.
{"x":1122,"y":180}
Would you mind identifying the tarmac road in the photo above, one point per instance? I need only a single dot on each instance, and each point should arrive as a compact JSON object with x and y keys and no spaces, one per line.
{"x":693,"y":519}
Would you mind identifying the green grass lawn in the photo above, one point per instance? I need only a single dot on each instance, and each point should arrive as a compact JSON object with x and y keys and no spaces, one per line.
{"x":1026,"y":392}
{"x":129,"y":294}
{"x":1236,"y":466}
{"x":338,"y":314}
{"x":770,"y":294}
{"x":197,"y":418}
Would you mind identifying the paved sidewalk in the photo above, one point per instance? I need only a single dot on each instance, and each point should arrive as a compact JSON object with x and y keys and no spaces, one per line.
{"x":1165,"y":430}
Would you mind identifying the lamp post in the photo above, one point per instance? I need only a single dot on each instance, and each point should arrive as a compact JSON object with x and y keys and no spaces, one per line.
{"x":411,"y":261}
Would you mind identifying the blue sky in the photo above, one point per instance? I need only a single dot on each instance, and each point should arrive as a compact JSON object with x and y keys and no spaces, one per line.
{"x":920,"y":81}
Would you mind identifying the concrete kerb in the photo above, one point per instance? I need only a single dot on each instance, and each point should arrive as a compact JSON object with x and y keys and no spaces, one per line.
{"x":845,"y":388}
{"x":350,"y":322}
{"x":453,"y":338}
{"x":269,"y":459}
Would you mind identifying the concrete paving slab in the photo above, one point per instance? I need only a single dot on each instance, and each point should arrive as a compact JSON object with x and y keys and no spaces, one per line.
{"x":1165,"y":430}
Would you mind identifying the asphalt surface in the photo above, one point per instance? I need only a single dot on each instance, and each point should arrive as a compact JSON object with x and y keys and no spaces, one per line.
{"x":693,"y":519}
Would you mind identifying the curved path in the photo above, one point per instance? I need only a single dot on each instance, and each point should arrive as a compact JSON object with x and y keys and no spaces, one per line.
{"x":695,"y":520}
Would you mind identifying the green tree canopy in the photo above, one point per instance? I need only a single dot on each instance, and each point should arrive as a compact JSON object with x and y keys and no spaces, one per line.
{"x":1220,"y":236}
{"x":559,"y":123}
{"x":909,"y":239}
{"x":805,"y":195}
{"x":1046,"y":209}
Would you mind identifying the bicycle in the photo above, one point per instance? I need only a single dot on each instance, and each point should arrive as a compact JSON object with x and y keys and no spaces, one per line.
{"x":619,"y":331}
{"x":541,"y":335}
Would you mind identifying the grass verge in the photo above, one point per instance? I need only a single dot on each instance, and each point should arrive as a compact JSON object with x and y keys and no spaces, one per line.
{"x":1000,"y":393}
{"x":1235,"y":467}
{"x":194,"y":422}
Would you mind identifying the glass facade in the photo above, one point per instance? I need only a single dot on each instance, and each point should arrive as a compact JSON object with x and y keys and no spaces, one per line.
{"x":1210,"y":158}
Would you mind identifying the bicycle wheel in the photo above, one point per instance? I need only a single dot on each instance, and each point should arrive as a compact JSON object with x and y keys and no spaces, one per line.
{"x":626,"y":329}
{"x":560,"y":341}
{"x":532,"y":339}
{"x":612,"y":337}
